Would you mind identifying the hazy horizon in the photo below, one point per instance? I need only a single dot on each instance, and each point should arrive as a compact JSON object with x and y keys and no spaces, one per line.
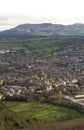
{"x":15,"y":12}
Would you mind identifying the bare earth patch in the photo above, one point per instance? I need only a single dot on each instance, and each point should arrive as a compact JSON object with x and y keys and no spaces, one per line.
{"x":69,"y":125}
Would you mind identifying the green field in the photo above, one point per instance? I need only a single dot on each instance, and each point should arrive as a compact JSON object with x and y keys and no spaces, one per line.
{"x":43,"y":44}
{"x":43,"y":111}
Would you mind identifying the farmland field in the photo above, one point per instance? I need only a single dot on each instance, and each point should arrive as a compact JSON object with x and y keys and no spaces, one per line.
{"x":42,"y":44}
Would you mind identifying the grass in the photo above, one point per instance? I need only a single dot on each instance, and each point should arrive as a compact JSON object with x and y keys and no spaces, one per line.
{"x":16,"y":46}
{"x":43,"y":44}
{"x":43,"y":111}
{"x":9,"y":120}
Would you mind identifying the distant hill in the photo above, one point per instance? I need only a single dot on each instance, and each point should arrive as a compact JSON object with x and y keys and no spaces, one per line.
{"x":45,"y":29}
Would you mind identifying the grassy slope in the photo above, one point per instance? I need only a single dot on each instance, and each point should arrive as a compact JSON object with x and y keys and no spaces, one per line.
{"x":45,"y":116}
{"x":9,"y":120}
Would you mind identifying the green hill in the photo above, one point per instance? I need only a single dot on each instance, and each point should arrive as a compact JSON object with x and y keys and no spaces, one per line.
{"x":9,"y":120}
{"x":46,"y":116}
{"x":45,"y":29}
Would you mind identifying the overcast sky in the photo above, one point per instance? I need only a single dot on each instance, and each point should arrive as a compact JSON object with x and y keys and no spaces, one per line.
{"x":15,"y":12}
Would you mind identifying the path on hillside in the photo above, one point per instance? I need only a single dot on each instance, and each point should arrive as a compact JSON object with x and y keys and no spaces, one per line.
{"x":71,"y":128}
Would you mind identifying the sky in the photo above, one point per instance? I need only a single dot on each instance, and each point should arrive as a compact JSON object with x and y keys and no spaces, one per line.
{"x":15,"y":12}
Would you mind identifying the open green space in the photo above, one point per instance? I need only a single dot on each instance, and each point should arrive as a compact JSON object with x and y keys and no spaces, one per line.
{"x":43,"y":111}
{"x":43,"y":44}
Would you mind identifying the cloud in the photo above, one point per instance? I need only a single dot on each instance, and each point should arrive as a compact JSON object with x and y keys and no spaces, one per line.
{"x":14,"y":12}
{"x":8,"y":21}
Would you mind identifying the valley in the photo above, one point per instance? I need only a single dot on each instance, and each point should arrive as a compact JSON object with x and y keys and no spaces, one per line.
{"x":42,"y":80}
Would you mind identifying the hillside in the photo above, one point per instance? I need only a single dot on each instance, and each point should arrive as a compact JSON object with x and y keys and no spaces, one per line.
{"x":45,"y":29}
{"x":47,"y":116}
{"x":9,"y":120}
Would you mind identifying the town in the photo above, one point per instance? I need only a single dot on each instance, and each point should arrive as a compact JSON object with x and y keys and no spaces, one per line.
{"x":32,"y":76}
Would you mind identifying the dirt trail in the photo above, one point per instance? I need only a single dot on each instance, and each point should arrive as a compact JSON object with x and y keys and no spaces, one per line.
{"x":77,"y":124}
{"x":55,"y":128}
